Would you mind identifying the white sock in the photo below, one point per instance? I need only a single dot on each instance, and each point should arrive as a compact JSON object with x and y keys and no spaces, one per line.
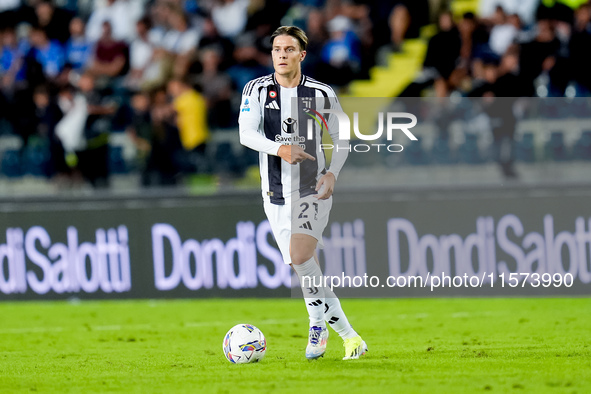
{"x":310,"y":276}
{"x":335,"y":317}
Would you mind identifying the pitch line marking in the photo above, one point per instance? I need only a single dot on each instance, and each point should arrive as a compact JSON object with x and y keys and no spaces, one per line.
{"x":118,"y":327}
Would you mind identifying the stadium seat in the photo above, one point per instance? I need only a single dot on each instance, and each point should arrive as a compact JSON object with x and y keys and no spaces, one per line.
{"x":550,"y":108}
{"x":249,"y":157}
{"x":582,"y":148}
{"x":579,"y":108}
{"x":469,"y":152}
{"x":37,"y":161}
{"x":5,"y":127}
{"x":225,"y":161}
{"x":555,"y":147}
{"x":415,"y":154}
{"x":11,"y":164}
{"x":525,"y":149}
{"x":441,"y":153}
{"x":117,"y":163}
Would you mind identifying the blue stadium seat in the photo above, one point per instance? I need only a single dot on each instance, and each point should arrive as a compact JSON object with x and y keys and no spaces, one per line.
{"x":441,"y":153}
{"x":5,"y":127}
{"x":582,"y":148}
{"x":525,"y":149}
{"x":117,"y":164}
{"x":552,"y":108}
{"x":468,"y":152}
{"x":37,"y":161}
{"x":555,"y":148}
{"x":249,"y":157}
{"x":415,"y":154}
{"x":225,"y":161}
{"x":11,"y":164}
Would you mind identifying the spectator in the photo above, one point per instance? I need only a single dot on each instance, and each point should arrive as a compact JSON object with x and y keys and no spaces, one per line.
{"x":191,"y":112}
{"x":78,"y":48}
{"x":230,"y":46}
{"x":539,"y":55}
{"x":248,"y":62}
{"x":12,"y":59}
{"x":93,"y":160}
{"x":159,"y":15}
{"x":119,"y":14}
{"x":181,"y":38}
{"x":443,"y":52}
{"x":21,"y":72}
{"x":140,"y":129}
{"x":48,"y":114}
{"x":70,"y":129}
{"x":379,"y":14}
{"x":49,"y":54}
{"x":485,"y":73}
{"x":362,"y":26}
{"x":504,"y":34}
{"x":54,"y":21}
{"x":525,"y":9}
{"x":230,"y":17}
{"x":578,"y":47}
{"x":474,"y":38}
{"x":503,"y":123}
{"x":141,"y":54}
{"x":180,"y":41}
{"x":406,"y":19}
{"x":140,"y":132}
{"x":583,"y":18}
{"x":509,"y":83}
{"x":167,"y":157}
{"x":110,"y":56}
{"x":156,"y":146}
{"x":216,"y":88}
{"x":8,"y":12}
{"x":317,"y":36}
{"x":558,"y":10}
{"x":341,"y":55}
{"x":211,"y":37}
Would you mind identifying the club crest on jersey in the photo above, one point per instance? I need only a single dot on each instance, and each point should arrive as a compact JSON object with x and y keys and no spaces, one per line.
{"x":272,"y":94}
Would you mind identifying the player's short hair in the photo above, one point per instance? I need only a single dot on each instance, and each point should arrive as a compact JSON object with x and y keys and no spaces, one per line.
{"x":294,"y":32}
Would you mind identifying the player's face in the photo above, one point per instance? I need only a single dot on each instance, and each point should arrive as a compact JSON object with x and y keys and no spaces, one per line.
{"x":287,"y":55}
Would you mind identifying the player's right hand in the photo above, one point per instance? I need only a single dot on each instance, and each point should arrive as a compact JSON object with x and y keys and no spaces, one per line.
{"x":293,"y":154}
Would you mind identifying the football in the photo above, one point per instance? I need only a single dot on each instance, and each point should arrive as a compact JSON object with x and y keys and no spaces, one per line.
{"x":244,"y":343}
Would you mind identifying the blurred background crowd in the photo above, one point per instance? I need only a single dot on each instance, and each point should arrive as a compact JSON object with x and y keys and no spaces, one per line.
{"x":95,"y":88}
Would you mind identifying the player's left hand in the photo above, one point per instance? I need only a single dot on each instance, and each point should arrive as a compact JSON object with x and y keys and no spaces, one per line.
{"x":325,"y":186}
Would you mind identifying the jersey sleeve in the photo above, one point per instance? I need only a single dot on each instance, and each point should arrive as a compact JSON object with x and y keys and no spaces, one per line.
{"x":339,"y":156}
{"x":248,"y":123}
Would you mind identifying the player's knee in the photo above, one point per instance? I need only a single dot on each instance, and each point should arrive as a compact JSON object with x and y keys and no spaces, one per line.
{"x":302,"y":247}
{"x":300,"y":257}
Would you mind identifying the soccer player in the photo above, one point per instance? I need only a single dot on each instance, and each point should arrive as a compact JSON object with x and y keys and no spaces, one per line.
{"x":297,"y":189}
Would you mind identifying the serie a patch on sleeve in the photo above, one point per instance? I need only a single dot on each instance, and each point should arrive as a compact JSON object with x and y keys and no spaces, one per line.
{"x":245,"y":106}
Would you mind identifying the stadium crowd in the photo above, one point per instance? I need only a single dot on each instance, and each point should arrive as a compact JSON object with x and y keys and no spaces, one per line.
{"x":516,"y":48}
{"x":170,"y":72}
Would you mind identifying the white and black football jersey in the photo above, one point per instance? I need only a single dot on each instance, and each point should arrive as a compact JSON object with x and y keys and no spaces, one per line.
{"x":270,"y":117}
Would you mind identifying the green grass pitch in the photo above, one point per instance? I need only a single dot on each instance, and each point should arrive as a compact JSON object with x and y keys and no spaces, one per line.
{"x":415,"y":345}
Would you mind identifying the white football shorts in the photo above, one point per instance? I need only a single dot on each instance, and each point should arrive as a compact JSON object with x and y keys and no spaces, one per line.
{"x":307,"y":215}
